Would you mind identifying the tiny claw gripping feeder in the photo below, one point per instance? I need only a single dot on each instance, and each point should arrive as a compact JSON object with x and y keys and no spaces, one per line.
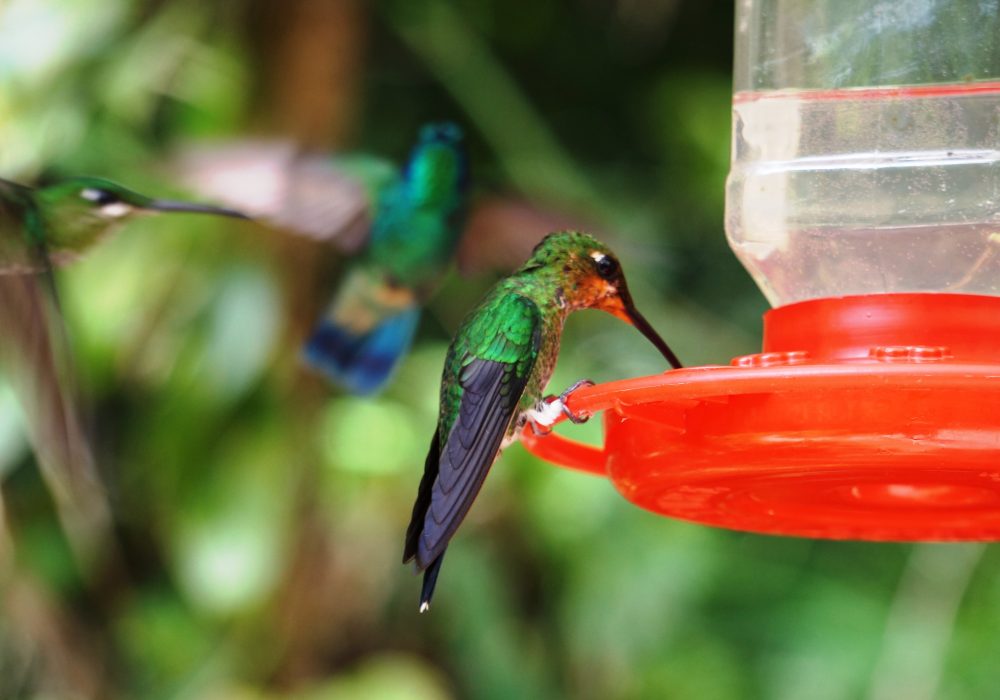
{"x":863,"y":200}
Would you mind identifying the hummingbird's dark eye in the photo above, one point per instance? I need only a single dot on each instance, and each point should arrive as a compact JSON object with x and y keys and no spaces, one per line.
{"x":607,"y":267}
{"x":98,"y":196}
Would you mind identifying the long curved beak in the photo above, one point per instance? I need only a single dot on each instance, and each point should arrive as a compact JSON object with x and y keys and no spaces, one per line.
{"x":630,"y":314}
{"x":172,"y":205}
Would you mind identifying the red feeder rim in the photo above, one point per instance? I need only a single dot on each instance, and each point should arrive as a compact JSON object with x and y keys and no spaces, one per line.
{"x":870,"y":417}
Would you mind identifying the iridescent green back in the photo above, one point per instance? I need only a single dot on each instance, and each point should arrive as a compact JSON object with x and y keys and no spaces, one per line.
{"x":418,"y":220}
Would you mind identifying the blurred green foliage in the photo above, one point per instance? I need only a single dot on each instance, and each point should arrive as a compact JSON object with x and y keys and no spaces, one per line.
{"x":261,"y":515}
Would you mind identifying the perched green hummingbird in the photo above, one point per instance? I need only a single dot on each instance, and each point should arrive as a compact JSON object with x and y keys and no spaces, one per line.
{"x":495,"y":371}
{"x":403,"y":227}
{"x":40,"y":228}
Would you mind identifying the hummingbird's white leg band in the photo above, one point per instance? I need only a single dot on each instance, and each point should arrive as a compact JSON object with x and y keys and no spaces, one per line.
{"x":547,"y":411}
{"x":544,"y":415}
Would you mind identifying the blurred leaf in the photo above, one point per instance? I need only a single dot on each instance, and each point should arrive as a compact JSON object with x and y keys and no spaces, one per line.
{"x":369,"y":436}
{"x":230,"y":543}
{"x":383,"y":677}
{"x":163,"y":643}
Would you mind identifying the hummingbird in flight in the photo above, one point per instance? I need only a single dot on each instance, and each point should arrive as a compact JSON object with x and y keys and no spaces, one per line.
{"x":495,"y":372}
{"x":65,"y":219}
{"x":401,"y":227}
{"x":40,"y":228}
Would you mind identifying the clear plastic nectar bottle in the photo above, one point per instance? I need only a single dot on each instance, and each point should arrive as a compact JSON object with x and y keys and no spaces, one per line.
{"x":866,"y":147}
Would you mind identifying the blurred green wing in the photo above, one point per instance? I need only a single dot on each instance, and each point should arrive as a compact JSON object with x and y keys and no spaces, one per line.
{"x":35,"y":357}
{"x":327,"y":199}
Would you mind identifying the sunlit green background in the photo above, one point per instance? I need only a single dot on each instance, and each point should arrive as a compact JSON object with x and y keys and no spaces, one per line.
{"x":261,"y":514}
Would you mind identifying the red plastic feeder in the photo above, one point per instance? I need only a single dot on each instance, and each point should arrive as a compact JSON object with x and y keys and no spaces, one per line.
{"x":870,"y":417}
{"x":862,"y":198}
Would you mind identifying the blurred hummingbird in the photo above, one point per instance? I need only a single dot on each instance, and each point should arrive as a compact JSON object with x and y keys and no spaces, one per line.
{"x":67,"y":218}
{"x":403,"y":227}
{"x":39,"y":228}
{"x":495,"y":371}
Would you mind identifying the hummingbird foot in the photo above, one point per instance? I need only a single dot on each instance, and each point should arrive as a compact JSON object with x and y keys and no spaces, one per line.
{"x":549,"y":410}
{"x":563,"y":397}
{"x":544,"y":415}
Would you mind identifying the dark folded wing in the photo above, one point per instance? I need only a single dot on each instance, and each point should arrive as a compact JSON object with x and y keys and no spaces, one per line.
{"x":318,"y":197}
{"x":423,"y":502}
{"x":490,"y":394}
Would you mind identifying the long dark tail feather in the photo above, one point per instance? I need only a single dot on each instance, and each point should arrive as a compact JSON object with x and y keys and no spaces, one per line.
{"x":430,"y":580}
{"x":416,"y":526}
{"x":362,"y":364}
{"x":423,"y":501}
